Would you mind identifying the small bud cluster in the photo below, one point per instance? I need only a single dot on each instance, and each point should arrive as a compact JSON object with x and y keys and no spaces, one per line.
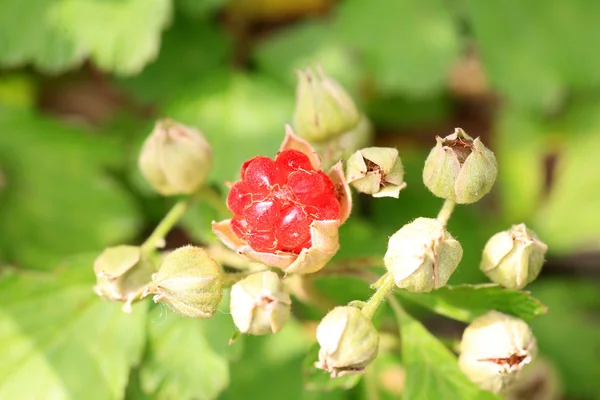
{"x":277,"y":200}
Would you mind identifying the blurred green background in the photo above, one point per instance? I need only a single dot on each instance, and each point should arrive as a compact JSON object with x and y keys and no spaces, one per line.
{"x":82,"y":82}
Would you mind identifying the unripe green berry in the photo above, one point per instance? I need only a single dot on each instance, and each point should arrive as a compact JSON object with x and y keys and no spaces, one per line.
{"x":348,"y":340}
{"x":189,"y":282}
{"x":513,"y":258}
{"x":494,"y":349}
{"x":377,"y":171}
{"x":460,"y":169}
{"x":258,"y":304}
{"x":175,"y":159}
{"x":422,"y":255}
{"x":324,"y":110}
{"x":122,"y":274}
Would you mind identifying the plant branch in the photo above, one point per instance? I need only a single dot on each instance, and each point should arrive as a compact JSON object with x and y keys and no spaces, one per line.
{"x":446,"y":211}
{"x":385,"y":287}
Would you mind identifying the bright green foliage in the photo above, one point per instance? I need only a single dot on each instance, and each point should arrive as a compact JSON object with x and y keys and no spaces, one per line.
{"x":431,"y":369}
{"x":181,"y":361}
{"x":543,"y":54}
{"x":59,"y":340}
{"x":467,"y":302}
{"x":569,"y":334}
{"x":59,"y":198}
{"x":120,"y":36}
{"x":417,"y":42}
{"x":241,"y":115}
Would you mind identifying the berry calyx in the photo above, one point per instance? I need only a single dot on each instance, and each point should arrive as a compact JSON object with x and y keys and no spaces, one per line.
{"x":277,"y":200}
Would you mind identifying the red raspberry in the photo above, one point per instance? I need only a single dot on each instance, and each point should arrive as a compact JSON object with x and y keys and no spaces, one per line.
{"x":277,"y":201}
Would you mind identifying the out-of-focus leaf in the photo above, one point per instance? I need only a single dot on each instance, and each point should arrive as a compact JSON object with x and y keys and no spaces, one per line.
{"x":467,"y":302}
{"x":59,"y":340}
{"x":30,"y":33}
{"x":408,"y":46}
{"x":182,"y":362}
{"x":272,"y":367}
{"x":546,"y":52}
{"x":404,"y":112}
{"x":58,"y":199}
{"x":431,"y":369}
{"x":568,"y":219}
{"x":241,"y":115}
{"x":569,"y":334}
{"x":17,"y":91}
{"x":520,"y":148}
{"x":307,"y":44}
{"x":317,"y":379}
{"x":190,"y":50}
{"x":199,"y":9}
{"x":120,"y":36}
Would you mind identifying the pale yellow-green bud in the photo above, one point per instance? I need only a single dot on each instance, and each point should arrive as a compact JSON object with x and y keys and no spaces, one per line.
{"x":377,"y":171}
{"x":324,"y":110}
{"x":459,"y":168}
{"x":189,"y":282}
{"x":494,"y":348}
{"x":513,"y":258}
{"x":258,"y":304}
{"x":348,"y":340}
{"x":175,"y":159}
{"x":422,"y":255}
{"x":122,"y":274}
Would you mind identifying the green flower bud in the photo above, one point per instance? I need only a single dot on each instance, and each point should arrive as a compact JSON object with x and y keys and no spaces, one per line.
{"x":513,"y":258}
{"x":494,"y":348}
{"x":324,"y":110}
{"x":122,"y":274}
{"x":258,"y":304}
{"x":348,"y":340}
{"x":459,"y":168}
{"x":538,"y":381}
{"x":422,"y":255}
{"x":376,"y":171}
{"x":189,"y":282}
{"x":175,"y":159}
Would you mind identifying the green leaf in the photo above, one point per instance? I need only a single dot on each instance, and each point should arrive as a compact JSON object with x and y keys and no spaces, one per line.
{"x":534,"y":65}
{"x":317,"y":379}
{"x":467,"y":302}
{"x":199,"y":9}
{"x":569,"y":334}
{"x":58,"y":198}
{"x":431,"y":369}
{"x":190,"y":49}
{"x":182,"y":361}
{"x":416,"y":42}
{"x":303,"y":45}
{"x":120,"y":36}
{"x":241,"y":115}
{"x":59,"y":340}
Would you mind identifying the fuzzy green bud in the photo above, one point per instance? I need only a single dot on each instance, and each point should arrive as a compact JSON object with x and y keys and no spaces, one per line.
{"x":422,"y":255}
{"x":459,"y":168}
{"x":377,"y":171}
{"x":175,"y":159}
{"x":513,"y":258}
{"x":348,"y":340}
{"x":189,"y":282}
{"x":258,"y":304}
{"x":324,"y":110}
{"x":494,"y":349}
{"x":122,"y":274}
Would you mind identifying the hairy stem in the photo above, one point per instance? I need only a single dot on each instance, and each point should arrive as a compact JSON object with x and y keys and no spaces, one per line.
{"x":157,"y":237}
{"x":385,"y":287}
{"x":446,"y":211}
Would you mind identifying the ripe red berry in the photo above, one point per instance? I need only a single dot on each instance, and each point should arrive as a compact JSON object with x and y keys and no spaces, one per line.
{"x":277,"y":201}
{"x":291,"y":160}
{"x":293,"y":229}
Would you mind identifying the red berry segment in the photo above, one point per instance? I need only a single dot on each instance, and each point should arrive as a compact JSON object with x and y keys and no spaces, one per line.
{"x":294,"y":228}
{"x":277,"y":201}
{"x":261,"y":174}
